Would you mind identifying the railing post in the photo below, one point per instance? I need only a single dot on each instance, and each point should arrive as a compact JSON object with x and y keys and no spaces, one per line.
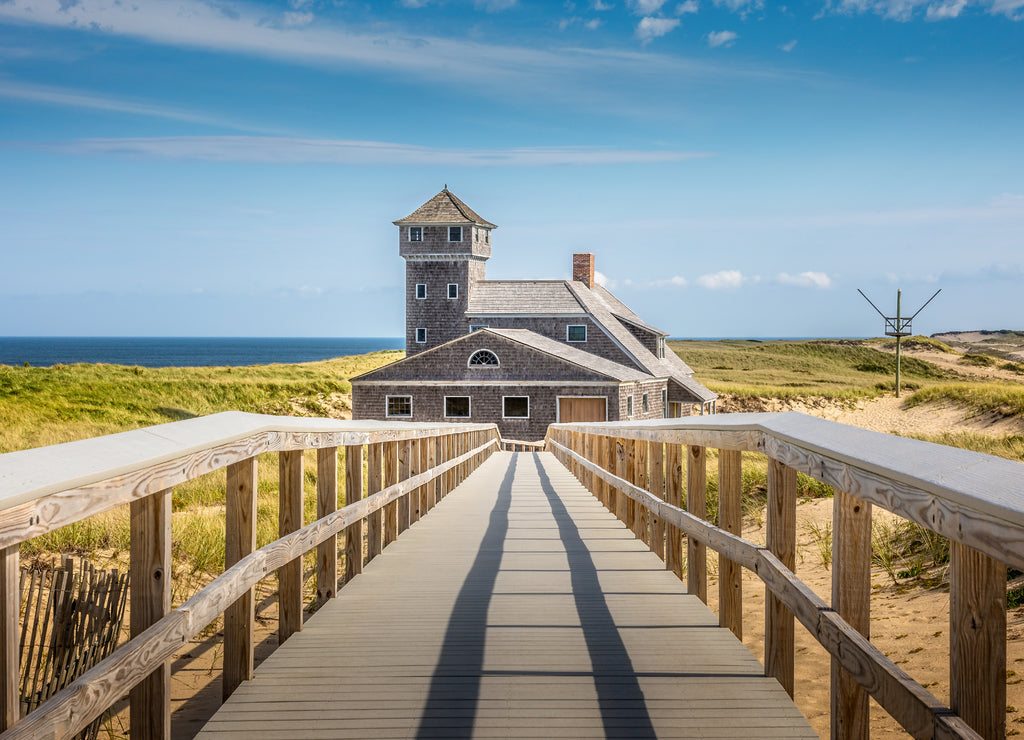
{"x":730,"y":518}
{"x":642,"y":519}
{"x":326,"y":503}
{"x":629,"y":450}
{"x":424,"y":466}
{"x":656,"y":455}
{"x":390,"y":479}
{"x":778,"y":622}
{"x":405,"y":457}
{"x":851,"y":598}
{"x":431,"y":464}
{"x":289,"y":576}
{"x":674,"y":496}
{"x":10,"y":652}
{"x":240,"y":540}
{"x":621,"y":471}
{"x":414,"y":470}
{"x":977,"y":649}
{"x":609,"y":464}
{"x":374,"y":481}
{"x":353,"y":493}
{"x":697,"y":504}
{"x":150,"y":589}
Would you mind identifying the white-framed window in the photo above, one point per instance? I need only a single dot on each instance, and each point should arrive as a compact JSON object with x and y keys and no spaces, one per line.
{"x":453,"y":290}
{"x":661,"y":348}
{"x":515,"y":407}
{"x":664,"y":402}
{"x":483,"y":358}
{"x":644,"y":404}
{"x":421,"y":336}
{"x":476,"y":327}
{"x":629,"y":405}
{"x":576,"y":333}
{"x":415,"y":233}
{"x":421,"y":290}
{"x":398,"y":407}
{"x":455,"y":233}
{"x":456,"y":407}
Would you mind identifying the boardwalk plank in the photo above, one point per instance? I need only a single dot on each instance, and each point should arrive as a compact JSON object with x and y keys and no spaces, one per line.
{"x":519,"y":607}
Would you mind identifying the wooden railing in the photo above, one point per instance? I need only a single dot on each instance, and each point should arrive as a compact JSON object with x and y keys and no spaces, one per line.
{"x":977,"y":501}
{"x":409,"y":468}
{"x":515,"y":445}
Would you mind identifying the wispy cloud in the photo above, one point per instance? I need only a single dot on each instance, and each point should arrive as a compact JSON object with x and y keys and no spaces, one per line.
{"x":724,"y":280}
{"x":818,"y":280}
{"x":494,"y":6}
{"x":676,"y":281}
{"x":934,"y":10}
{"x":740,"y":6}
{"x":652,"y":28}
{"x":283,"y":150}
{"x":788,"y":46}
{"x":687,"y":7}
{"x":87,"y":100}
{"x":721,"y":38}
{"x":645,"y":7}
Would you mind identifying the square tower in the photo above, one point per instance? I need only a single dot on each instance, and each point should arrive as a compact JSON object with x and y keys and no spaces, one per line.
{"x":445,"y":245}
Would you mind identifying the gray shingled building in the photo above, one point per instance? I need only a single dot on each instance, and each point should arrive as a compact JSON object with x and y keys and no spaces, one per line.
{"x":521,"y":353}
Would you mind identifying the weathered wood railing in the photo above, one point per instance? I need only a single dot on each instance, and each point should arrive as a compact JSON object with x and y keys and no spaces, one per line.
{"x":409,"y":468}
{"x":975,"y":500}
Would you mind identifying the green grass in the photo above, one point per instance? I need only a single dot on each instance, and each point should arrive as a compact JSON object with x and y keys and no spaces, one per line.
{"x":1010,"y":446}
{"x":1001,"y":399}
{"x":44,"y":406}
{"x":844,"y":370}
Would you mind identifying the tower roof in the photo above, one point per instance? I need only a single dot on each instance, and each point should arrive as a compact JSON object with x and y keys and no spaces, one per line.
{"x":444,"y":208}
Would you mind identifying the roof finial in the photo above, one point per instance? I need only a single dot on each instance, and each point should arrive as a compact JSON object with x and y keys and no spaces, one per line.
{"x":446,"y":187}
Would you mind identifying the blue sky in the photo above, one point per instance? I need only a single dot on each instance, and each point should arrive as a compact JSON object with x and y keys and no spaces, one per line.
{"x":740,"y":168}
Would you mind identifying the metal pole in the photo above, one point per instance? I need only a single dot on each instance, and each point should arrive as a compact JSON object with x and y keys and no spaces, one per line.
{"x":899,"y":338}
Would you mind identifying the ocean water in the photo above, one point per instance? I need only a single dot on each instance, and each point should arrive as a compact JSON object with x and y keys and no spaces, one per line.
{"x":185,"y":351}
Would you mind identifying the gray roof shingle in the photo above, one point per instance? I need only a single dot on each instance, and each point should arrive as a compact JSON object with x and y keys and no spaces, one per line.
{"x":545,"y":297}
{"x":444,"y":208}
{"x":571,"y":354}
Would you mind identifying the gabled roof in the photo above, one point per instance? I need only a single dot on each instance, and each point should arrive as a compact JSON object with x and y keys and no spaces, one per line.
{"x":490,"y":297}
{"x":621,"y":311}
{"x":444,"y":208}
{"x":571,"y":354}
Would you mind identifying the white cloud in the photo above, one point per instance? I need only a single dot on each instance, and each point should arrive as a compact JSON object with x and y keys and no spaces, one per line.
{"x":676,"y":281}
{"x":721,"y":38}
{"x":646,"y":7}
{"x":740,"y":6}
{"x":601,"y":279}
{"x":788,"y":46}
{"x":415,"y":3}
{"x":689,"y":6}
{"x":598,"y":5}
{"x":818,"y":280}
{"x":89,"y":101}
{"x":945,"y":10}
{"x":723,"y":280}
{"x":293,"y":20}
{"x":652,"y":28}
{"x":285,"y":150}
{"x":1009,"y":8}
{"x":593,"y":24}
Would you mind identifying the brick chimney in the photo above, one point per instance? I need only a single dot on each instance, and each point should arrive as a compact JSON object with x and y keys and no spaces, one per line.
{"x":583,"y":268}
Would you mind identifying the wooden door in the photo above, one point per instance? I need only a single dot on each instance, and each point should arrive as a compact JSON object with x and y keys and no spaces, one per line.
{"x":582,"y":409}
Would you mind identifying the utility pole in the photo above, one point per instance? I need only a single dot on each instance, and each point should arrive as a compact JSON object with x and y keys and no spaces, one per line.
{"x":897,"y":326}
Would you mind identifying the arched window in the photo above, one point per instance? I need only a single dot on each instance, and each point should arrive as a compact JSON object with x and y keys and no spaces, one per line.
{"x":483,"y":358}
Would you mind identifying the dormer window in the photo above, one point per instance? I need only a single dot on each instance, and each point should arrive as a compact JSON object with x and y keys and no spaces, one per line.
{"x":415,"y":233}
{"x":576,"y":333}
{"x":661,"y":348}
{"x":455,"y":233}
{"x":483,"y":358}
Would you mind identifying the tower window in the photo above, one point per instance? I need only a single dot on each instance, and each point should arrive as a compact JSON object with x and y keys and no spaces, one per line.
{"x":453,"y":290}
{"x":483,"y":358}
{"x":415,"y":233}
{"x":455,"y":233}
{"x":421,"y":290}
{"x":576,"y":333}
{"x":456,"y":407}
{"x":421,"y":336}
{"x":515,"y":407}
{"x":400,"y":406}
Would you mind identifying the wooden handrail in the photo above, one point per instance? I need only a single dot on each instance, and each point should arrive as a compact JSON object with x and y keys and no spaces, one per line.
{"x":80,"y":479}
{"x":971,"y":498}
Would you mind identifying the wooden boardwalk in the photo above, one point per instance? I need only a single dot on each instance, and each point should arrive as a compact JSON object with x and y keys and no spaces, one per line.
{"x":518,"y":607}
